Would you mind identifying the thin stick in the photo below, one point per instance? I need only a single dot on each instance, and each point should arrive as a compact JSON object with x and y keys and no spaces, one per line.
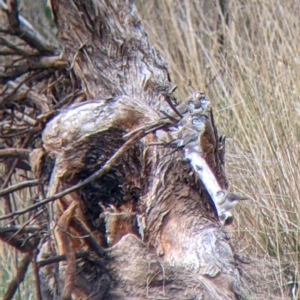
{"x":59,"y":258}
{"x":109,"y":164}
{"x":168,"y":116}
{"x":19,"y":186}
{"x":15,"y":152}
{"x":20,"y":228}
{"x":65,"y":242}
{"x":148,"y":128}
{"x":173,"y":89}
{"x":173,"y":107}
{"x":14,"y":284}
{"x":12,"y":169}
{"x":28,"y":34}
{"x":36,"y":275}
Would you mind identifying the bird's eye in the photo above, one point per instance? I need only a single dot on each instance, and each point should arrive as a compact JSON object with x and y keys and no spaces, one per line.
{"x":197,"y":121}
{"x":220,"y":194}
{"x":191,"y":104}
{"x":203,"y":100}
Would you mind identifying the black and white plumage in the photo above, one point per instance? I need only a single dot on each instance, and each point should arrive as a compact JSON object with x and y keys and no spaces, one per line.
{"x":194,"y":102}
{"x":191,"y":127}
{"x":196,"y":133}
{"x":198,"y":103}
{"x":231,"y":200}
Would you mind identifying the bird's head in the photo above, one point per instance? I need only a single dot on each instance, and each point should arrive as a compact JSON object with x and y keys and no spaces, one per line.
{"x":196,"y":101}
{"x":232,"y":197}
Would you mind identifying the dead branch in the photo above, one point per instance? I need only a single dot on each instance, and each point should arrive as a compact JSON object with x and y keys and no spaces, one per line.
{"x":15,"y":152}
{"x":36,"y":275}
{"x":108,"y":165}
{"x":167,"y":98}
{"x":20,"y":229}
{"x":66,"y":248}
{"x":18,"y":94}
{"x":12,"y":13}
{"x":10,"y":72}
{"x":19,"y":186}
{"x":24,"y":244}
{"x":59,"y":258}
{"x":14,"y":284}
{"x":22,"y":28}
{"x":15,"y":87}
{"x":17,"y":50}
{"x":89,"y":238}
{"x":16,"y":161}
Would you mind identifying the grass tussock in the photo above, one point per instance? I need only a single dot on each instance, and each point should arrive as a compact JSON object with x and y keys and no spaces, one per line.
{"x":246,"y":58}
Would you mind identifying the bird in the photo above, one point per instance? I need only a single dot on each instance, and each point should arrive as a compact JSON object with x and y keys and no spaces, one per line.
{"x":231,"y":200}
{"x":226,"y":218}
{"x":191,"y":127}
{"x":193,"y":102}
{"x":198,"y":103}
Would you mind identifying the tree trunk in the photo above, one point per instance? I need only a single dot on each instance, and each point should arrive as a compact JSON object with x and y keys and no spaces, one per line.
{"x":112,"y":58}
{"x":129,"y":218}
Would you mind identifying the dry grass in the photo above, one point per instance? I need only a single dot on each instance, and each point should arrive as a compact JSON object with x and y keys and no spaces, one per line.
{"x":253,"y":81}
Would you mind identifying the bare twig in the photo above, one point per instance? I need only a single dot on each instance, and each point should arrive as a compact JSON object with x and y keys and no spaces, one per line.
{"x":65,"y":242}
{"x":20,"y":229}
{"x":5,"y":203}
{"x":30,"y":77}
{"x":16,"y":49}
{"x":14,"y":284}
{"x":3,"y":89}
{"x":109,"y":164}
{"x":12,"y":13}
{"x":169,"y":116}
{"x":89,"y":237}
{"x":167,"y":99}
{"x":7,"y":52}
{"x":59,"y":258}
{"x":36,"y":275}
{"x":25,"y":225}
{"x":12,"y":169}
{"x":148,"y":128}
{"x":27,"y":33}
{"x":18,"y":242}
{"x":30,"y":130}
{"x":22,"y":117}
{"x":173,"y":89}
{"x":38,"y":99}
{"x":30,"y":64}
{"x":15,"y":152}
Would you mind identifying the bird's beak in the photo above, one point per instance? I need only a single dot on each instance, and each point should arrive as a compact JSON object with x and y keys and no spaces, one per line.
{"x":245,"y":198}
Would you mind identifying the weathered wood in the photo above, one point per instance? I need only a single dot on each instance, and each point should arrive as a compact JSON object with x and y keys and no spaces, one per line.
{"x":112,"y":58}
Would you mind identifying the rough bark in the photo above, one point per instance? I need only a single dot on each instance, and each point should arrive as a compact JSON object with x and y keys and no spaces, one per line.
{"x":112,"y":58}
